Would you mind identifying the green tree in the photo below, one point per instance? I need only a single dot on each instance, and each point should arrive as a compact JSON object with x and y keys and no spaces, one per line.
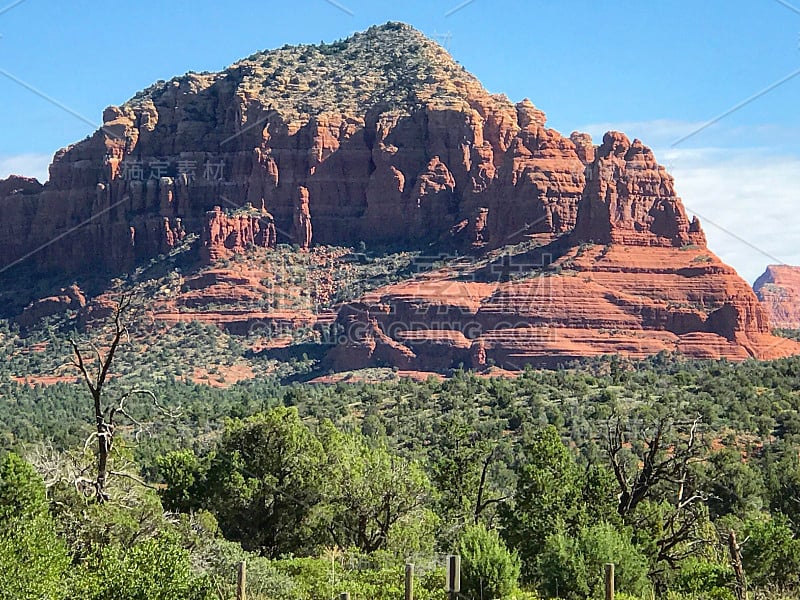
{"x":599,"y":495}
{"x":465,"y":468}
{"x":375,"y":500}
{"x":181,"y":472}
{"x":488,"y":568}
{"x":561,"y":568}
{"x":132,"y":512}
{"x":548,"y":491}
{"x":704,"y":578}
{"x":264,"y":483}
{"x":33,"y":560}
{"x":572,"y":567}
{"x":154,"y":568}
{"x":734,"y":486}
{"x":782,"y":467}
{"x":602,"y":543}
{"x":325,"y":577}
{"x":771,"y":556}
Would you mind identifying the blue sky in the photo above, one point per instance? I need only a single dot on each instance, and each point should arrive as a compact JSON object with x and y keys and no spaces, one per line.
{"x":658,"y":71}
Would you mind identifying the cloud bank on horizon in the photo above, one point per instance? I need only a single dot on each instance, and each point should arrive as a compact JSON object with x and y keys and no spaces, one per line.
{"x":746,"y":204}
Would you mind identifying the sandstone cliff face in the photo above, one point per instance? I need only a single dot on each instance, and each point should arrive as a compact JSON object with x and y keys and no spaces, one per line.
{"x":615,"y":299}
{"x":224,"y":234}
{"x":16,"y":185}
{"x":778,"y":289}
{"x":383,"y":138}
{"x":632,"y":276}
{"x":393,"y":141}
{"x":538,"y":185}
{"x":630,"y":199}
{"x":70,"y":298}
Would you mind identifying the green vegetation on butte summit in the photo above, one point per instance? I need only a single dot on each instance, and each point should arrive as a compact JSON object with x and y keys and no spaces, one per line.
{"x":389,"y":66}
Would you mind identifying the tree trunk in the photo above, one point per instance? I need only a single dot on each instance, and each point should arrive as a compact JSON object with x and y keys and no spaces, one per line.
{"x":103,"y":449}
{"x":738,"y":570}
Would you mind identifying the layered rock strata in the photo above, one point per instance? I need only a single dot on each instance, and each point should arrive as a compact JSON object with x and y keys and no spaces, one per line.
{"x":778,"y":289}
{"x":390,"y":139}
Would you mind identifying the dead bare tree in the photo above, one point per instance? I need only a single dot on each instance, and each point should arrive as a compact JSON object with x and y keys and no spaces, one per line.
{"x":662,"y":461}
{"x":654,"y":464}
{"x":481,"y":501}
{"x":106,"y":415}
{"x":735,"y":550}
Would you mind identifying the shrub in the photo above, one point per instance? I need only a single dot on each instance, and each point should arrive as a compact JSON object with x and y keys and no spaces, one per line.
{"x":573,"y":568}
{"x":33,"y":561}
{"x":489,"y":569}
{"x":155,"y":568}
{"x":704,"y":578}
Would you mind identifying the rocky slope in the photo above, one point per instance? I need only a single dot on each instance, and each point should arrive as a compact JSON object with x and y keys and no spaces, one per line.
{"x":630,"y":300}
{"x":633,"y":277}
{"x":778,"y":289}
{"x":392,"y":139}
{"x":383,"y":138}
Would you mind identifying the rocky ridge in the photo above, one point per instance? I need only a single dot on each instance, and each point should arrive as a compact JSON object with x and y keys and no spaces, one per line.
{"x":778,"y":289}
{"x":393,"y":140}
{"x":593,"y":299}
{"x":382,"y":138}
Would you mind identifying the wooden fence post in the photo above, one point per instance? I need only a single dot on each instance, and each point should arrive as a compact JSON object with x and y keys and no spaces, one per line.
{"x":241,"y":582}
{"x":609,"y":581}
{"x":453,"y":575}
{"x":409,"y":581}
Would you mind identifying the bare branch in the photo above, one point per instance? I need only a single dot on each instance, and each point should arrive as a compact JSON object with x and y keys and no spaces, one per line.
{"x":78,"y":362}
{"x":105,"y":418}
{"x":119,"y":329}
{"x":662,"y":472}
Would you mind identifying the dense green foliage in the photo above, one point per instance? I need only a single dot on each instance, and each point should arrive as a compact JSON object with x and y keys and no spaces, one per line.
{"x":488,"y":568}
{"x":572,"y":567}
{"x":325,"y":488}
{"x":32,"y":559}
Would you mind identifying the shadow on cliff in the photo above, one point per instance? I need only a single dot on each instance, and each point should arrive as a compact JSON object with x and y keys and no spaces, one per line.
{"x":512,"y":263}
{"x":22,"y":285}
{"x":299,"y":355}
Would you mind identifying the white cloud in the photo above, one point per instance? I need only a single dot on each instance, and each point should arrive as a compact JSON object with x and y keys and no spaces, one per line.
{"x":29,"y":165}
{"x":747,"y":200}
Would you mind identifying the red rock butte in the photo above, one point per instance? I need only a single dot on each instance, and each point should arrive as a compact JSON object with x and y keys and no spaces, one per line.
{"x":384,"y":138}
{"x":778,"y":289}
